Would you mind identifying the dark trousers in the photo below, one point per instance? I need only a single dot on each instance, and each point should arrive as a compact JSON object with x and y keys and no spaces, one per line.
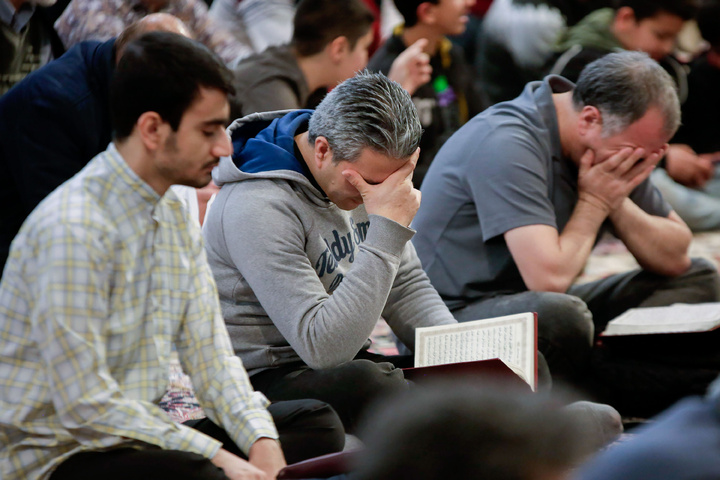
{"x":568,"y":323}
{"x":349,"y":388}
{"x":638,"y":377}
{"x":307,"y":428}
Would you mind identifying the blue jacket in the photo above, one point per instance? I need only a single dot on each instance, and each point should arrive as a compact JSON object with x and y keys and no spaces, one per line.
{"x":682,"y":443}
{"x":51,"y":124}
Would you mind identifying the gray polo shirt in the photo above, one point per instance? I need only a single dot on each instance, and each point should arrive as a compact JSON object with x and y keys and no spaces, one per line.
{"x":502,"y":170}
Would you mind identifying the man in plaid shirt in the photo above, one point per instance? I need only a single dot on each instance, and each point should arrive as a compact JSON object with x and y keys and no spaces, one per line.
{"x":107,"y":275}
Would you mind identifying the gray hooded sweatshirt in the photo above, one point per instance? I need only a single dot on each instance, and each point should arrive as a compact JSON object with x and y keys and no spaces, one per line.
{"x":300,"y":279}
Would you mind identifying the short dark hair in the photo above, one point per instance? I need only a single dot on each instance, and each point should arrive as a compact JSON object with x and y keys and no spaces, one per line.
{"x":408,"y":9}
{"x":643,"y":9}
{"x":162,"y":72}
{"x":319,"y":22}
{"x":463,"y":430}
{"x":708,"y":21}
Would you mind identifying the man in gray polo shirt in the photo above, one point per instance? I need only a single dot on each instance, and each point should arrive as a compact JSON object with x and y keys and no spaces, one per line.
{"x":515,"y":201}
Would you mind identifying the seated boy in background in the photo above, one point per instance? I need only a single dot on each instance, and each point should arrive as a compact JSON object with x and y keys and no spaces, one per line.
{"x":449,"y":99}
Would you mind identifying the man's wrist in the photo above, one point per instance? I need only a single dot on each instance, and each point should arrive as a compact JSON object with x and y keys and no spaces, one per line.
{"x":265,"y":446}
{"x":594,"y":204}
{"x":267,"y":455}
{"x":387,"y":234}
{"x":617,"y":213}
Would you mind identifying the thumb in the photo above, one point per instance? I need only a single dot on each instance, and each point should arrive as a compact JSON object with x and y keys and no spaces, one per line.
{"x":356,"y":181}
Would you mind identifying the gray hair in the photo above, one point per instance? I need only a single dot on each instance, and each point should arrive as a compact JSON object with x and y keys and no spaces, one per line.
{"x":623,"y":86}
{"x":367,"y":111}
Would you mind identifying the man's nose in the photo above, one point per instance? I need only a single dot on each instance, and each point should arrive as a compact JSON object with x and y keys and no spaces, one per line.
{"x":223,"y":147}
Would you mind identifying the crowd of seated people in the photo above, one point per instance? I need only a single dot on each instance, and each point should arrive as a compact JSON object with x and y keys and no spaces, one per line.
{"x":250,"y":186}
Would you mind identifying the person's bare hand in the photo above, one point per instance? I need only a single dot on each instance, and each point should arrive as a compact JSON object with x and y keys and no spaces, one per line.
{"x":411,"y":69}
{"x":686,"y":167}
{"x":267,"y":455}
{"x":396,"y":198}
{"x":606,"y":184}
{"x":236,"y":468}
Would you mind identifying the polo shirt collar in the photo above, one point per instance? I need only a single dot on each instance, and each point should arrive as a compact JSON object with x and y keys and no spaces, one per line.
{"x":543,"y":98}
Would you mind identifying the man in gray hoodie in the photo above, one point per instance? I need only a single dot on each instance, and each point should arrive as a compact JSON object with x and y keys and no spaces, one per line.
{"x":309,"y":243}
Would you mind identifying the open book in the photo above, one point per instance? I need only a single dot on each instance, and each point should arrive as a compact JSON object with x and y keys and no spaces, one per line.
{"x":512,"y":339}
{"x":677,"y":318}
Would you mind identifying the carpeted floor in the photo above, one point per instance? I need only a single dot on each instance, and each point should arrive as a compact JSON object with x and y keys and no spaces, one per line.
{"x":610,"y":256}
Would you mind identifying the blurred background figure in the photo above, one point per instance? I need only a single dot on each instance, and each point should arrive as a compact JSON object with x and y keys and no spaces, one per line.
{"x":682,"y":443}
{"x":105,"y":19}
{"x":330,"y":43}
{"x":697,"y":198}
{"x":650,"y":26}
{"x":517,"y":39}
{"x":258,"y":23}
{"x":462,"y":430}
{"x":27,"y":39}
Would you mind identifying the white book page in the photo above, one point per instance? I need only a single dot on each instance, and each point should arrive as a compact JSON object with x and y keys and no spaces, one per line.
{"x":680,"y":317}
{"x":510,"y":338}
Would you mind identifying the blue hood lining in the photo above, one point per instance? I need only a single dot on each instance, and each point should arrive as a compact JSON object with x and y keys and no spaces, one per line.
{"x":265,"y":146}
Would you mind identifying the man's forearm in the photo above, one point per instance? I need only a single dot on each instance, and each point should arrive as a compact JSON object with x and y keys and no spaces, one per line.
{"x":576,"y":241}
{"x":659,"y":244}
{"x":549,"y":261}
{"x":413,"y":302}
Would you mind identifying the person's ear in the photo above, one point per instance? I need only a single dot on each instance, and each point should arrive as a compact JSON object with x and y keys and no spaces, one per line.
{"x":338,"y":48}
{"x":322,"y":154}
{"x":427,"y":13}
{"x":589,"y":119}
{"x":624,"y":19}
{"x":152,"y":130}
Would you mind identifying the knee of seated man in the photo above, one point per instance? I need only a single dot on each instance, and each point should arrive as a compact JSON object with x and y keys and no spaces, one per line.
{"x":373,"y":377}
{"x":707,"y":277}
{"x":326,"y":420}
{"x":305,"y":413}
{"x":601,"y":423}
{"x":322,"y":416}
{"x":565,"y":317}
{"x":316,"y":421}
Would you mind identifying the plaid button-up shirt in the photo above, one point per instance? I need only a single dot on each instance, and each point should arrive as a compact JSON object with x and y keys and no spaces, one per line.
{"x":103,"y":278}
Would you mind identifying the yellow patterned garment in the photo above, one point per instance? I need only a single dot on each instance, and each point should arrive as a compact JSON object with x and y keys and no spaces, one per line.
{"x":103,"y":278}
